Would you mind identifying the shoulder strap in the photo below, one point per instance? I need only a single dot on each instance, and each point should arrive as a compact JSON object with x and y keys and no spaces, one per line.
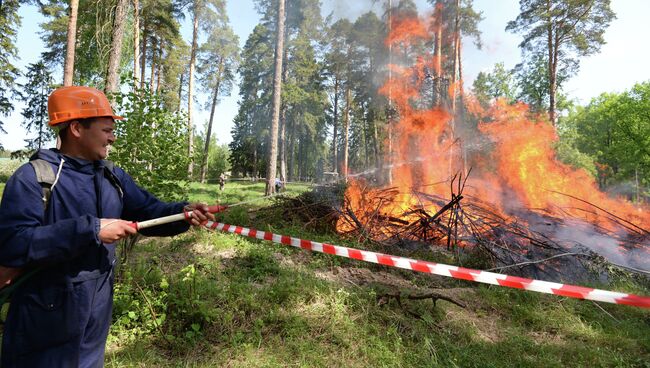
{"x":45,"y":177}
{"x":109,"y":166}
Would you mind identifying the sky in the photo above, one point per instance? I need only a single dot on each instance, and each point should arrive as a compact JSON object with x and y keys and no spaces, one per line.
{"x":621,"y":63}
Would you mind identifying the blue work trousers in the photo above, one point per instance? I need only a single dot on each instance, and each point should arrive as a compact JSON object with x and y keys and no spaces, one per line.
{"x":63,"y":325}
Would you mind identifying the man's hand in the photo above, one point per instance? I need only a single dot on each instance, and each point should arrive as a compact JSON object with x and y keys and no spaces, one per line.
{"x":112,"y":230}
{"x":198,"y":214}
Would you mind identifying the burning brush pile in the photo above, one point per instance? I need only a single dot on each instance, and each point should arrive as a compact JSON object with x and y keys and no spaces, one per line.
{"x":485,"y":180}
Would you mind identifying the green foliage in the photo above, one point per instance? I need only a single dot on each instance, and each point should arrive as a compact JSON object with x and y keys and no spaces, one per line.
{"x":152,"y":144}
{"x":230,"y":301}
{"x":499,"y":83}
{"x":34,"y":94}
{"x":532,"y":80}
{"x":7,"y":168}
{"x":578,"y":26}
{"x":9,"y":23}
{"x":614,"y":129}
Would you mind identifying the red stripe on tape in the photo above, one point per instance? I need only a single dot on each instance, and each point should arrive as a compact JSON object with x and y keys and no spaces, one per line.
{"x":462,"y":273}
{"x":226,"y":227}
{"x":419,"y":266}
{"x":238,"y":230}
{"x":385,"y":260}
{"x":286,"y":240}
{"x":329,"y":248}
{"x":305,"y":244}
{"x":268,"y":236}
{"x":252,"y":233}
{"x":634,"y":300}
{"x":514,"y":282}
{"x":572,"y":291}
{"x":355,"y":254}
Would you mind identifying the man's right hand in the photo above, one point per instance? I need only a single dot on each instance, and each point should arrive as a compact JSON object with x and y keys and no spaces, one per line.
{"x":112,"y":230}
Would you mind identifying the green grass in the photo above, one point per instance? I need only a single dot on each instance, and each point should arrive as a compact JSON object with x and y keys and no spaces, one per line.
{"x":208,"y":299}
{"x":256,"y":304}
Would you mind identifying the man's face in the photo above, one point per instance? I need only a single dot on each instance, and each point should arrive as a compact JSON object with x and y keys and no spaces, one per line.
{"x":95,"y":140}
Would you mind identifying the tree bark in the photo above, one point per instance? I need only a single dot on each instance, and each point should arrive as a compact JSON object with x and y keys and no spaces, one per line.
{"x":154,"y":50}
{"x":455,"y":81}
{"x":115,"y":56}
{"x":552,"y":63}
{"x":291,"y":158}
{"x":68,"y":66}
{"x":206,"y":149}
{"x":277,"y":89}
{"x":438,"y":52}
{"x":346,"y":134}
{"x":143,"y":56}
{"x":136,"y":41}
{"x":335,"y":154}
{"x":283,"y":125}
{"x":190,"y":93}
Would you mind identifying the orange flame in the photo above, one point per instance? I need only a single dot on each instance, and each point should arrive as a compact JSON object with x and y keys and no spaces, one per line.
{"x":514,"y":167}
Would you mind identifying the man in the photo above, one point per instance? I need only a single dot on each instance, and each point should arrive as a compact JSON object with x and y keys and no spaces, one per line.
{"x":60,"y":316}
{"x":222,"y":181}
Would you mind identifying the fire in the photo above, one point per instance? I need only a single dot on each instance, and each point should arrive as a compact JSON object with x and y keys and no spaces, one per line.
{"x":514,"y":166}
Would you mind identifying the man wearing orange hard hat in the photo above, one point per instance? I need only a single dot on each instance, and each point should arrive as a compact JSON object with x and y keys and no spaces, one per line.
{"x":60,"y":217}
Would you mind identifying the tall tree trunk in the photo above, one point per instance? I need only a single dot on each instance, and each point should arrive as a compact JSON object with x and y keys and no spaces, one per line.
{"x":438,"y":52}
{"x":255,"y":171}
{"x":180,"y":90}
{"x":389,"y":158}
{"x":154,"y":51}
{"x":115,"y":56}
{"x":346,"y":133}
{"x":68,"y":66}
{"x":366,"y":144}
{"x":206,"y":148}
{"x":552,"y":68}
{"x":277,"y":89}
{"x":283,"y":125}
{"x":335,"y":154}
{"x":376,"y":148}
{"x":190,"y":91}
{"x":454,"y":82}
{"x":136,"y":41}
{"x":301,"y":158}
{"x":292,"y":139}
{"x":161,"y":71}
{"x":143,"y":56}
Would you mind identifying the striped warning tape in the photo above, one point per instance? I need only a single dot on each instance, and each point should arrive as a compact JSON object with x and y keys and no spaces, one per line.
{"x":485,"y":277}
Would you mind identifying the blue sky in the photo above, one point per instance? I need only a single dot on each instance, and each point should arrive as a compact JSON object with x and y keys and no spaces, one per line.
{"x":621,"y":63}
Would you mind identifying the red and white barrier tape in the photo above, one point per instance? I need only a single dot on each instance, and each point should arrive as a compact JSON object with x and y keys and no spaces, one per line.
{"x":539,"y":286}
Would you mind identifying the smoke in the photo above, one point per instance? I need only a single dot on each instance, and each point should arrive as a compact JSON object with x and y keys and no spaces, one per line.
{"x":606,"y":246}
{"x":350,"y":9}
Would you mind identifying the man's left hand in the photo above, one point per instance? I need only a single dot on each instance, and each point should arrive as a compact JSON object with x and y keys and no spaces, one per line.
{"x":198,"y":214}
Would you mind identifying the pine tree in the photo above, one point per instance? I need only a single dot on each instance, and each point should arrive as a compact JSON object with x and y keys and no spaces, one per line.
{"x":9,"y":24}
{"x":34,"y":94}
{"x":561,"y":31}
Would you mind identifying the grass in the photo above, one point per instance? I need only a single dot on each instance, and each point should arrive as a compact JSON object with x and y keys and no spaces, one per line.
{"x":208,"y":299}
{"x":258,"y":304}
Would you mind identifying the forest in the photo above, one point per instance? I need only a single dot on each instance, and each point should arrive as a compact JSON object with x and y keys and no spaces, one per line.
{"x":362,"y":132}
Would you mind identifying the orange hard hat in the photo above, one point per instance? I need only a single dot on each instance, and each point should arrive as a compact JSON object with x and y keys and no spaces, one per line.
{"x":78,"y":102}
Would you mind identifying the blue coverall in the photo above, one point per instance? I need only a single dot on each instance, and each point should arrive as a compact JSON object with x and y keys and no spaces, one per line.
{"x":60,"y":316}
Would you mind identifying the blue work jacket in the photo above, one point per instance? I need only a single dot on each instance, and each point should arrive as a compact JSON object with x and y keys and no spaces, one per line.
{"x":63,"y":238}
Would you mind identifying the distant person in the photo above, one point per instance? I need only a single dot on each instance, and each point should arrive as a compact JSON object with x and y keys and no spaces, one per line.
{"x":60,"y":316}
{"x":222,"y":181}
{"x":278,"y":185}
